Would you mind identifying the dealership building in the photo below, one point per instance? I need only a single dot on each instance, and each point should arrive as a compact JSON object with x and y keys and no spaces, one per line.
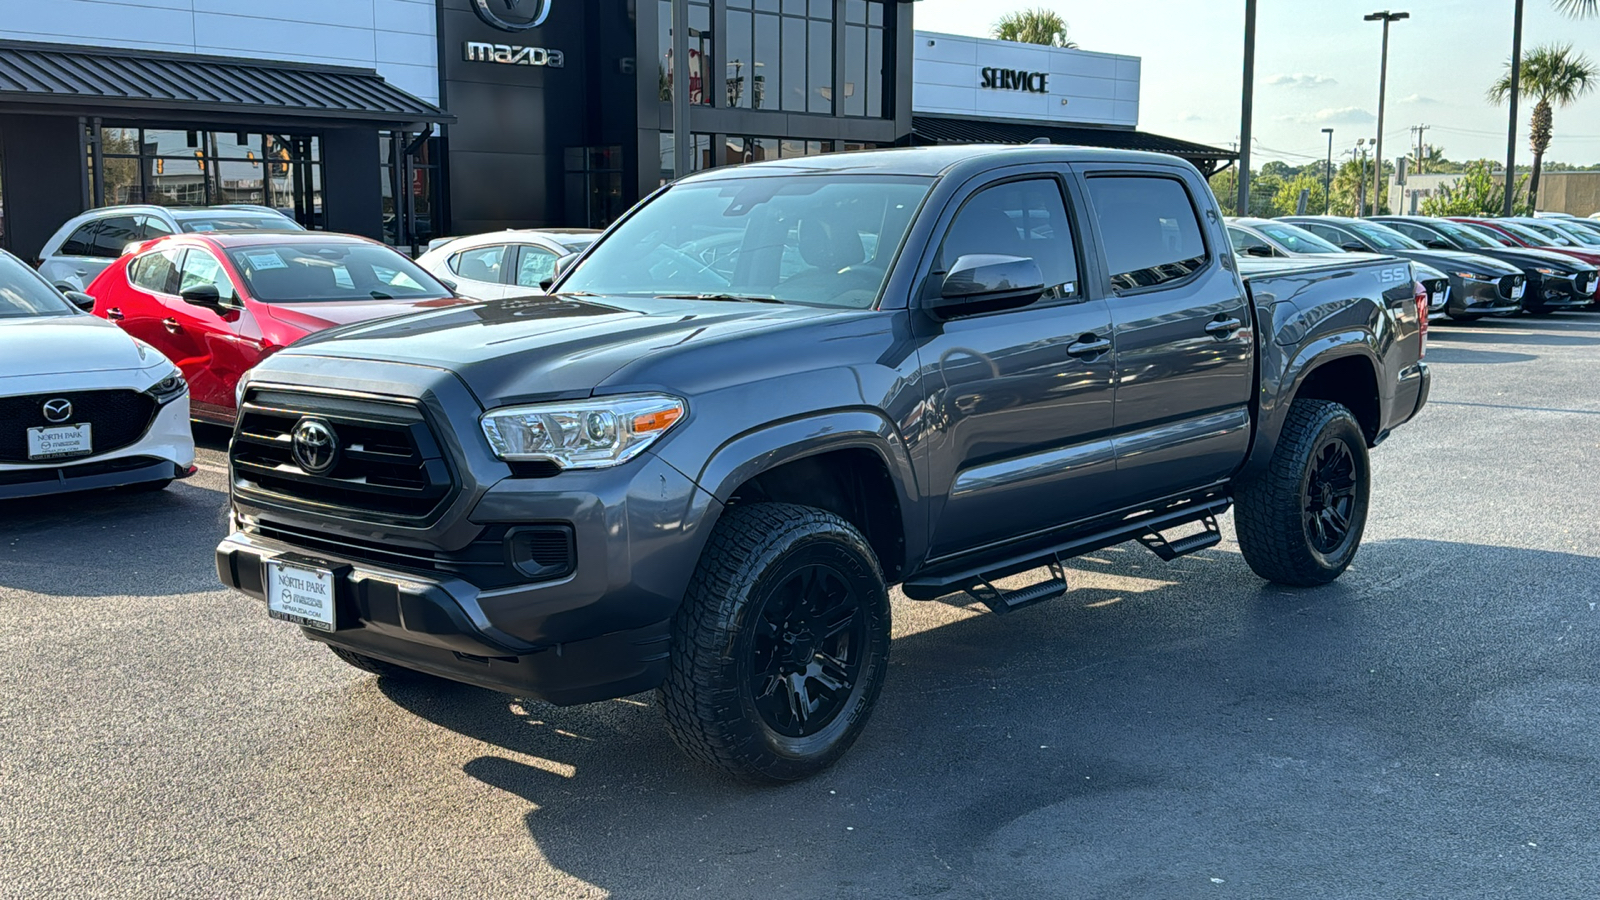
{"x":408,"y":119}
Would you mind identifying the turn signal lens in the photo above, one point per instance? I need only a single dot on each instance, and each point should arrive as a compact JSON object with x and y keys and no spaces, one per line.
{"x":659,"y":420}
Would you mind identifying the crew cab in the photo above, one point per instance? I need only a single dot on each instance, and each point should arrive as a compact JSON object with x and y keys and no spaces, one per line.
{"x":699,"y":473}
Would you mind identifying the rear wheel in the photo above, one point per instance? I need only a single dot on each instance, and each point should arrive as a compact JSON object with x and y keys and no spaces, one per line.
{"x":781,"y":645}
{"x":1300,"y":522}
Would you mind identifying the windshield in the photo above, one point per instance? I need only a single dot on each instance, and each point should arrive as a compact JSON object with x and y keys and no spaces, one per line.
{"x":1554,"y":235}
{"x":1577,"y":233}
{"x":1462,"y":236}
{"x":1488,"y":234}
{"x":1383,"y":237}
{"x":235,"y":220}
{"x":824,"y":240}
{"x":307,"y":272}
{"x":1296,"y":239}
{"x":1528,"y":234}
{"x":23,"y":294}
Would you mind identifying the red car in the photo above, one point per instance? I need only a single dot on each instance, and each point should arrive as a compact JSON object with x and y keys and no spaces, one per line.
{"x":1514,"y":234}
{"x":218,"y":304}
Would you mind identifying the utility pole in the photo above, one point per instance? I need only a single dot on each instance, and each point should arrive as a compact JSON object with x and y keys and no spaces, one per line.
{"x":1327,"y":174}
{"x":1418,"y":130}
{"x":1511,"y":130}
{"x":1243,"y":207}
{"x":1383,"y":79}
{"x":682,"y":144}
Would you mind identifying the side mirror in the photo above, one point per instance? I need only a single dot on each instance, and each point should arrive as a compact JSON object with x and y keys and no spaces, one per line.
{"x":449,"y":285}
{"x":80,"y":300}
{"x":203,"y":295}
{"x":981,"y":282}
{"x":562,"y":264}
{"x":1353,"y":247}
{"x":1436,"y":244}
{"x":1258,"y":250}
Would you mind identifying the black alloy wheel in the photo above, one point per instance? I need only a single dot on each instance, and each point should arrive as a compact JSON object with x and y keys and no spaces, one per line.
{"x":1328,"y":496}
{"x":809,"y":644}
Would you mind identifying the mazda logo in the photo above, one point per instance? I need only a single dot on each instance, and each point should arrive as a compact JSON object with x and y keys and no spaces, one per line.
{"x":513,"y":15}
{"x":315,"y":446}
{"x":57,"y":410}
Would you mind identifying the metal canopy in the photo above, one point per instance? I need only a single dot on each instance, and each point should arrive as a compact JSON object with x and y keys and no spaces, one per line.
{"x":114,"y":81}
{"x":943,"y":130}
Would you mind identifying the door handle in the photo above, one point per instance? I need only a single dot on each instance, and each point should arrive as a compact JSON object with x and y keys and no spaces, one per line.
{"x":1222,"y":329}
{"x":172,"y":326}
{"x":114,"y":314}
{"x":1088,"y":346}
{"x":81,"y":271}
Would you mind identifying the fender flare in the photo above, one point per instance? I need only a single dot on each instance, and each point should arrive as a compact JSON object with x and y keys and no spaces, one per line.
{"x":1308,"y":358}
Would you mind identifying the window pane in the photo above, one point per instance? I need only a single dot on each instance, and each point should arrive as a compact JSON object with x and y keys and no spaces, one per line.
{"x":79,"y":242}
{"x":1021,"y":218}
{"x":794,"y":64}
{"x":794,"y":7}
{"x":875,"y":73}
{"x":764,"y":87}
{"x":820,"y":92}
{"x":767,"y":5}
{"x":114,"y":234}
{"x":154,"y":228}
{"x":821,"y":9}
{"x":535,"y":265}
{"x":664,"y":47}
{"x":201,"y":268}
{"x":482,"y":264}
{"x":156,"y":272}
{"x":855,"y":11}
{"x":855,"y":71}
{"x":1148,"y":228}
{"x":875,"y":12}
{"x":699,"y":53}
{"x":739,"y":65}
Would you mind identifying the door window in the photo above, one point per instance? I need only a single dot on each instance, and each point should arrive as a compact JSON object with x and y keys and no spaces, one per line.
{"x":114,"y":234}
{"x":534,"y":265}
{"x":154,"y":228}
{"x":80,"y":241}
{"x":1149,"y":229}
{"x":1244,"y":240}
{"x":1331,"y":235}
{"x":1017,"y":218}
{"x":201,"y":268}
{"x":482,"y":264}
{"x":156,"y":272}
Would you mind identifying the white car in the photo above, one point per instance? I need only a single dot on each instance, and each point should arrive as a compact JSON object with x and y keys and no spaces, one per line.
{"x":88,"y":243}
{"x":506,"y":263}
{"x":82,"y":404}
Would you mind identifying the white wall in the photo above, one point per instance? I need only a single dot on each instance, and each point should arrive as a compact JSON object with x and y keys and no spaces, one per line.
{"x":395,"y":37}
{"x":1093,"y":88}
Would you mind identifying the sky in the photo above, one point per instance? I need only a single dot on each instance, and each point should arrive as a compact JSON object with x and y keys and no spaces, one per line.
{"x":1317,"y":67}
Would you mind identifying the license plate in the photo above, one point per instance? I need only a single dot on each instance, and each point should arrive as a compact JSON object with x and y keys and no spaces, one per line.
{"x":302,"y":595}
{"x":56,"y":441}
{"x":1516,"y":290}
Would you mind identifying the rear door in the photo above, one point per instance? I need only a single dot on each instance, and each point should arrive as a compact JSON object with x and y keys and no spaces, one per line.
{"x":138,"y":302}
{"x":1182,"y":326}
{"x":535,"y":265}
{"x":481,"y":271}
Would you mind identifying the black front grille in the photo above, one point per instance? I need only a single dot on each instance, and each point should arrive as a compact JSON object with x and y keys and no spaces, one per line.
{"x":1582,"y":284}
{"x":118,"y":418}
{"x":1510,"y":283}
{"x":389,"y":467}
{"x":485,"y":563}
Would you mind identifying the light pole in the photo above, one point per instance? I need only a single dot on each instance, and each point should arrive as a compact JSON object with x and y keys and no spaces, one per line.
{"x":1511,"y":131}
{"x":1243,"y":207}
{"x":1327,"y":174}
{"x":1383,"y":78}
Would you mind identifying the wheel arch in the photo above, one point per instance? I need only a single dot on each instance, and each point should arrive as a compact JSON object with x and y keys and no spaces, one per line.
{"x":1343,"y":368}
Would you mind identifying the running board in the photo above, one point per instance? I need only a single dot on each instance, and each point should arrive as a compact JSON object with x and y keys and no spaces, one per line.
{"x":1171,"y":550}
{"x":1002,"y":602}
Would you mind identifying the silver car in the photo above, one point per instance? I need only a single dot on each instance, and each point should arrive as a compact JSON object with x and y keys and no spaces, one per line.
{"x":504,"y":263}
{"x":1271,"y":238}
{"x":82,"y":248}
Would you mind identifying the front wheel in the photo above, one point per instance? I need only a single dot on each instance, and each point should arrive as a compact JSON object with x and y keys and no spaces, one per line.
{"x":781,"y":645}
{"x":1300,"y":521}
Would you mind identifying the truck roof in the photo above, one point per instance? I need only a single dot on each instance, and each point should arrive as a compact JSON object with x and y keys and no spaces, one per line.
{"x":935,"y":160}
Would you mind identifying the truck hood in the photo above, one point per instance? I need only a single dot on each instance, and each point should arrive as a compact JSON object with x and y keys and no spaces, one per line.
{"x":317,"y":316}
{"x":49,"y":345}
{"x":542,"y":348}
{"x":1461,"y":261}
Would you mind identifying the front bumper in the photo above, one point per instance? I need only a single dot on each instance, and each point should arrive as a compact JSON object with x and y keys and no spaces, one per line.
{"x":1559,"y":292}
{"x":1472,"y":297}
{"x":164,"y":451}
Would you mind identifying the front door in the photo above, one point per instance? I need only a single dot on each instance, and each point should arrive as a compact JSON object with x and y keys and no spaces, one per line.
{"x":1185,"y":342}
{"x":213,"y":354}
{"x":1018,"y":402}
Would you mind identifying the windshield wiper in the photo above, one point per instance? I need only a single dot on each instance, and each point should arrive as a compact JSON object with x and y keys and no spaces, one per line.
{"x":735,"y":298}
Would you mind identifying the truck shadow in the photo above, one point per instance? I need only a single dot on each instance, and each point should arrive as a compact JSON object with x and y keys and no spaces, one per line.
{"x":1159,"y":723}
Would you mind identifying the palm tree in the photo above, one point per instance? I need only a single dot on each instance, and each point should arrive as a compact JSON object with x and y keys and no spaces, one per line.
{"x":1552,"y":75}
{"x":1577,"y":9}
{"x":1042,"y":26}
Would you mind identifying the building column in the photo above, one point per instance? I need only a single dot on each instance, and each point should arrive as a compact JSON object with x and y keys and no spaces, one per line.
{"x":44,"y":172}
{"x":352,"y":182}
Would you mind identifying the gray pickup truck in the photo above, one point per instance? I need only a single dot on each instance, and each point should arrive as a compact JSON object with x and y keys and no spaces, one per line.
{"x":771,"y":391}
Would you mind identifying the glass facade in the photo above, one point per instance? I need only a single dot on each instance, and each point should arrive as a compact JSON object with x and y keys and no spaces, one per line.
{"x":862,"y":93}
{"x":181,"y":167}
{"x":700,"y":50}
{"x":427,"y":215}
{"x":594,"y":192}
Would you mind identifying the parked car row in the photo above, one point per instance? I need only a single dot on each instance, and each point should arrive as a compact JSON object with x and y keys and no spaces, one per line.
{"x":1487,"y":267}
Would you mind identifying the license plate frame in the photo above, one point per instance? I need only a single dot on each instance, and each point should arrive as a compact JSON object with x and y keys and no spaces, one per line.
{"x":1517,"y":290}
{"x":48,"y":442}
{"x":302,"y":593}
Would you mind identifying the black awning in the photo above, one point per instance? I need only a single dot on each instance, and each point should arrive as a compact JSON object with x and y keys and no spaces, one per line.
{"x":943,"y":130}
{"x":108,"y":81}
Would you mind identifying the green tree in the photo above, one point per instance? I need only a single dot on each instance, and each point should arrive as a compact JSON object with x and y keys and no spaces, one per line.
{"x":1287,"y":200}
{"x":1475,"y":193}
{"x":1552,"y":75}
{"x":1034,"y":26}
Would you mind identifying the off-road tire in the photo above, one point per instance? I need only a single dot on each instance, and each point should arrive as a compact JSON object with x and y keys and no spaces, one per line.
{"x":378,"y":667}
{"x":1270,"y":514}
{"x":710,"y":696}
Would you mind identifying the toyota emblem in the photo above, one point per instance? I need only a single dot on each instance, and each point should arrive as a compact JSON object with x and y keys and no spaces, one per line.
{"x":513,"y":15}
{"x":315,"y":446}
{"x":57,"y":410}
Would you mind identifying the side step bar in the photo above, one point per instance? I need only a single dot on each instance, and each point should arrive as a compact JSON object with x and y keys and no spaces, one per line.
{"x":977,"y":580}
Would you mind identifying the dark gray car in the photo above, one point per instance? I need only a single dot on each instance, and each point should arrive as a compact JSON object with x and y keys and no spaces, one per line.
{"x":700,"y":472}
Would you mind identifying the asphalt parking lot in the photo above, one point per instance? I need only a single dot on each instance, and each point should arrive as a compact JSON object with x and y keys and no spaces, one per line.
{"x":1429,"y":726}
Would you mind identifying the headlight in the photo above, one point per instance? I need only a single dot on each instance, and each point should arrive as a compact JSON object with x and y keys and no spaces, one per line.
{"x":583,"y":434}
{"x":1470,"y":276}
{"x":168,"y":388}
{"x":1547,"y":271}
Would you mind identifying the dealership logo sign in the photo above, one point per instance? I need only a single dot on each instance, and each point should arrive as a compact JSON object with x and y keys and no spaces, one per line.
{"x":1016,"y":80}
{"x":514,"y":55}
{"x":513,"y":15}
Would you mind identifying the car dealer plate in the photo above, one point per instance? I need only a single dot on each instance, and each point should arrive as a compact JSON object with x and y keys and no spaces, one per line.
{"x":1517,"y":291}
{"x":58,"y":441}
{"x":302,"y":595}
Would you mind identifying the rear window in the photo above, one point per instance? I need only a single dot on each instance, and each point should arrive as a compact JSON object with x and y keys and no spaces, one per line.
{"x":304,"y":273}
{"x":236,"y":221}
{"x":1149,"y":228}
